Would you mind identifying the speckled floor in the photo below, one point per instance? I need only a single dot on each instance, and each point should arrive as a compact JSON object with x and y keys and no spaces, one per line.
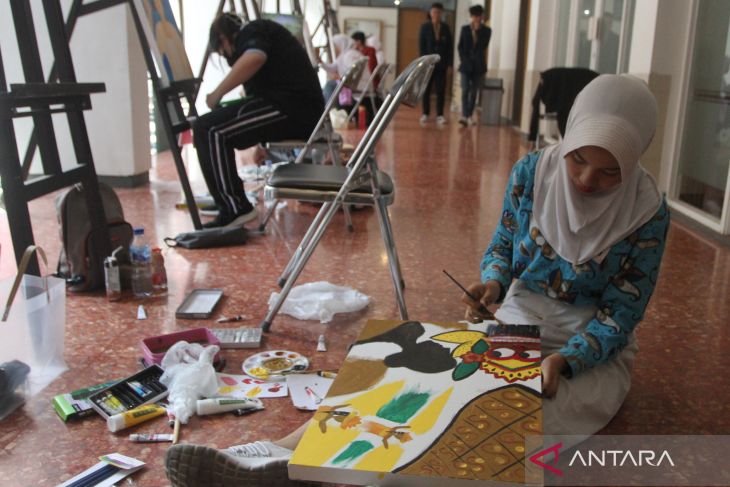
{"x":449,"y":184}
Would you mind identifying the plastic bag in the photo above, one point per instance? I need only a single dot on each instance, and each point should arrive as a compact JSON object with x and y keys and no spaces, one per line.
{"x":320,"y":301}
{"x":338,"y":118}
{"x":189,"y":375}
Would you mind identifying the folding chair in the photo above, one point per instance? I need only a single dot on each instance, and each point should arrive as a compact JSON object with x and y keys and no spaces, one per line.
{"x":360,"y":182}
{"x":323,"y":130}
{"x":380,"y":72}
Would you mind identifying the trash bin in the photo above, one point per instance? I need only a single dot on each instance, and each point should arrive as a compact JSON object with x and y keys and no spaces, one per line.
{"x":491,"y":101}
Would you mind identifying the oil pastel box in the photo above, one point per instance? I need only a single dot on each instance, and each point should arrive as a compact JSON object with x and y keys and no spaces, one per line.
{"x":144,"y":387}
{"x":76,"y":404}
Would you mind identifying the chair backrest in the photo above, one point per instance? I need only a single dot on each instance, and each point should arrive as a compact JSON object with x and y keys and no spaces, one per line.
{"x":408,"y":89}
{"x":351,"y":76}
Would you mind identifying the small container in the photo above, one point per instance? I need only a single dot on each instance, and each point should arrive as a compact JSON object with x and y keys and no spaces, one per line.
{"x":159,"y":275}
{"x":154,"y":348}
{"x":112,"y":279}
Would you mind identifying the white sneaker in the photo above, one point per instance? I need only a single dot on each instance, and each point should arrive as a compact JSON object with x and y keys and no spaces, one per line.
{"x":440,"y":120}
{"x":463,"y":122}
{"x":423,"y":119}
{"x":257,"y":463}
{"x":472,"y":121}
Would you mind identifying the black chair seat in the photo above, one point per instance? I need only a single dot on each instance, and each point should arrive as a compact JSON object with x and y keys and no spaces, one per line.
{"x":321,"y":178}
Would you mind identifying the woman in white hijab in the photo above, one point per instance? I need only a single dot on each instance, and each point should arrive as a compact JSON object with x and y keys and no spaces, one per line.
{"x":577,"y":251}
{"x":345,"y":55}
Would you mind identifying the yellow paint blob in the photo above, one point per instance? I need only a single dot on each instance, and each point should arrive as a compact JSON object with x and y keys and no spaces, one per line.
{"x":380,"y":459}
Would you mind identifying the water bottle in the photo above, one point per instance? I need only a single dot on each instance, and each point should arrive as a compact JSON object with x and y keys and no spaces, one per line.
{"x":141,"y":256}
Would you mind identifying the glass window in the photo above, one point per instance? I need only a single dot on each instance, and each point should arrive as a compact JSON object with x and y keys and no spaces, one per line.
{"x":705,"y":155}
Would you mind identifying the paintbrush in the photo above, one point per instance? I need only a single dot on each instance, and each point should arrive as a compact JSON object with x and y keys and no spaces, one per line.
{"x":482,"y":309}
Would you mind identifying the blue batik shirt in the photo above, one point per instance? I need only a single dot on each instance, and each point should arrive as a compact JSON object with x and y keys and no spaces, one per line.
{"x":620,"y":285}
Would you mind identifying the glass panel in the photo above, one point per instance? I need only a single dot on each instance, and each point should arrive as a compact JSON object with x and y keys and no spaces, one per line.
{"x":609,"y":35}
{"x":561,"y":34}
{"x":703,"y":166}
{"x":587,"y":10}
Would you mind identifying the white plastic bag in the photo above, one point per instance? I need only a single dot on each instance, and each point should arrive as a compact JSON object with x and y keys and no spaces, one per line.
{"x":320,"y":301}
{"x":338,"y":117}
{"x":189,"y":375}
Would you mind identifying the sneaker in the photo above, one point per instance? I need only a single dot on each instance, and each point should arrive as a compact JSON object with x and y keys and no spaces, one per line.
{"x":258,"y":463}
{"x":472,"y":121}
{"x":440,"y":120}
{"x":226,"y":220}
{"x":423,"y":119}
{"x":463,"y":122}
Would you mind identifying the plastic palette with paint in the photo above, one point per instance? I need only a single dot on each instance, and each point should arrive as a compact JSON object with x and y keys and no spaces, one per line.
{"x":275,"y":364}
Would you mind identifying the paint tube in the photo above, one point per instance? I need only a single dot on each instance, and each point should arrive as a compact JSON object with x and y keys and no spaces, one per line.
{"x":134,"y":416}
{"x":225,"y":404}
{"x":140,"y":438}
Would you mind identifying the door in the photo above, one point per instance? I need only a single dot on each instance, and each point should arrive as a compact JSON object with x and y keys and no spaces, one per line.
{"x":599,"y":34}
{"x":700,"y":183}
{"x":409,"y":25}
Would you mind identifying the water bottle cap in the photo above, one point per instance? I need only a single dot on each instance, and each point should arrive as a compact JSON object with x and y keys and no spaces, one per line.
{"x":139,"y":231}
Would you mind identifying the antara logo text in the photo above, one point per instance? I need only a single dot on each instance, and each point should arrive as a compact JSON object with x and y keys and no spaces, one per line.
{"x":602,"y":458}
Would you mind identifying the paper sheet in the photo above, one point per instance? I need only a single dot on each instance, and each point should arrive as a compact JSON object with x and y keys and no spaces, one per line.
{"x":241,"y":386}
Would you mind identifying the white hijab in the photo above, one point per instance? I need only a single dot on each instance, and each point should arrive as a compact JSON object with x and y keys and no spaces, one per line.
{"x":617,"y":113}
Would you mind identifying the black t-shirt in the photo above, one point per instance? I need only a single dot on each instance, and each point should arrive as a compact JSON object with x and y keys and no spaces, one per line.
{"x":287,"y":78}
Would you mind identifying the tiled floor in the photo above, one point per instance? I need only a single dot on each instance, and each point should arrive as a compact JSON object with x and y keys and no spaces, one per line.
{"x":449,"y":184}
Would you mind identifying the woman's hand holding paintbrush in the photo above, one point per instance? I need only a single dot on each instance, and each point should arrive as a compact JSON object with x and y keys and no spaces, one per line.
{"x":477,"y":297}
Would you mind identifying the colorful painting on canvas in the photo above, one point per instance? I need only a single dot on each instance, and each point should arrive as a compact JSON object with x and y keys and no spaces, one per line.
{"x":420,"y":403}
{"x":165,"y":40}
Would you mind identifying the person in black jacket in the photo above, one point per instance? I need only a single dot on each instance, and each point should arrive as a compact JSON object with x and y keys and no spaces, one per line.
{"x":473,"y":42}
{"x":435,"y":38}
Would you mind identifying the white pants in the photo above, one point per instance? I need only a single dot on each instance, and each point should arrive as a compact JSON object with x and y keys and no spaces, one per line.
{"x":586,"y":403}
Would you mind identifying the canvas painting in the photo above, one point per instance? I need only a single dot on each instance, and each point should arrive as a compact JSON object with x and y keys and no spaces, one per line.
{"x":164,"y":39}
{"x":419,"y":403}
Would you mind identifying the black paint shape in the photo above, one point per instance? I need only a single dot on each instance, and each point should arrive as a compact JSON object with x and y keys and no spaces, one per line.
{"x":427,"y":357}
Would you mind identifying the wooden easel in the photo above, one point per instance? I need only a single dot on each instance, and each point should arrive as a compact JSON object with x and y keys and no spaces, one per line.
{"x":39,"y":99}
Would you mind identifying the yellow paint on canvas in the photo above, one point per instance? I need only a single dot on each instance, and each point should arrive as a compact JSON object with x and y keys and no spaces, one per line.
{"x":426,"y":419}
{"x":316,"y":448}
{"x":380,"y":459}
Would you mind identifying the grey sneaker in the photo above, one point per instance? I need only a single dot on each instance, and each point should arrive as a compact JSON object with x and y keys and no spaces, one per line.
{"x":254,"y":464}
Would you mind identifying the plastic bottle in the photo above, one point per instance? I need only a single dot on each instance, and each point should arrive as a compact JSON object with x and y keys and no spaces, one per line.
{"x":111,"y":277}
{"x":159,"y":275}
{"x":362,"y":118}
{"x":141,"y":257}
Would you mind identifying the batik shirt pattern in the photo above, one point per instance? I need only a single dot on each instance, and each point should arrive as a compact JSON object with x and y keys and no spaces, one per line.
{"x":619,"y":282}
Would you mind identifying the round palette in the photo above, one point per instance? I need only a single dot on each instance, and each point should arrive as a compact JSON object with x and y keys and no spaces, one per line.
{"x":274,"y":364}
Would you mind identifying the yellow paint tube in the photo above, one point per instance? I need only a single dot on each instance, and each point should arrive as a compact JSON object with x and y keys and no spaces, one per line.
{"x":134,"y":416}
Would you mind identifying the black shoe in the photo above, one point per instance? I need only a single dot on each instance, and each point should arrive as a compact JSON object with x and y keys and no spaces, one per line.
{"x":227,"y":220}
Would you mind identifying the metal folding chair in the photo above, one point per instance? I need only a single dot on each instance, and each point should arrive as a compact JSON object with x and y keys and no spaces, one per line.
{"x":360,"y":182}
{"x":380,"y":72}
{"x":322,"y":131}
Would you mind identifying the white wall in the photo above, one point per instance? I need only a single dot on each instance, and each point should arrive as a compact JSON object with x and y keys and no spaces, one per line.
{"x":103,"y":48}
{"x":503,"y":48}
{"x":389,"y":19}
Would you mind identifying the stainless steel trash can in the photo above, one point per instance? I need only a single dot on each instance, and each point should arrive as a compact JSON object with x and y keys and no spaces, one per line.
{"x":491,"y":101}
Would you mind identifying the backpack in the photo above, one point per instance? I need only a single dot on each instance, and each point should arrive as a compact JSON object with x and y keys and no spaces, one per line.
{"x":79,"y":262}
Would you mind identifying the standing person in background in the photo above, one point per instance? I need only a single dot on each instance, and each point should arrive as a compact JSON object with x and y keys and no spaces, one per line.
{"x":435,"y":38}
{"x":473,"y":43}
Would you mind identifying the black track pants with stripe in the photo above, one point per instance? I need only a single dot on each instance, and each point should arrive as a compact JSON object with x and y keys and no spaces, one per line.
{"x":238,"y":126}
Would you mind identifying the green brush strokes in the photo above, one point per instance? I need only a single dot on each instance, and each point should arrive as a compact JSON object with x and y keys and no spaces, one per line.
{"x":355,"y":450}
{"x":462,"y":371}
{"x":400,"y":409}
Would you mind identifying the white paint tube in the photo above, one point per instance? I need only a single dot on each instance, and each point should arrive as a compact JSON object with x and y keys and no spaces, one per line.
{"x":225,"y":404}
{"x":140,"y":438}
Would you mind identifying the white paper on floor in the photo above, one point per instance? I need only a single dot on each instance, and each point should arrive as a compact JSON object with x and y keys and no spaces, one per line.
{"x":308,"y":390}
{"x":320,"y":301}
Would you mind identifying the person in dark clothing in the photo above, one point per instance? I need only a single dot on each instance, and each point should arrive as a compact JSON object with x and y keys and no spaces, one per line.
{"x":473,"y":43}
{"x":435,"y":38}
{"x":283,"y":101}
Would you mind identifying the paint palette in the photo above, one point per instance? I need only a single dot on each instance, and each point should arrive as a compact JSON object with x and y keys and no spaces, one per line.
{"x":273,"y":365}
